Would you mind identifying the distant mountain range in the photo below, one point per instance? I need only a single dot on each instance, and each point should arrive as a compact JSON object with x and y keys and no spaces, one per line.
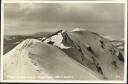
{"x":10,"y":41}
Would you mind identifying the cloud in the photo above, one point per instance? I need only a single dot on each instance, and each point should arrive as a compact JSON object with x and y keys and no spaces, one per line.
{"x":65,"y":12}
{"x":51,"y":15}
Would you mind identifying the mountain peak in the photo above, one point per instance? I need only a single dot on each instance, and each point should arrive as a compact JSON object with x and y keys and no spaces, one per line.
{"x":56,"y":39}
{"x":78,"y":29}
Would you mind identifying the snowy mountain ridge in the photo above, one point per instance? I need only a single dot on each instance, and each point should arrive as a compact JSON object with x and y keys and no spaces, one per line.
{"x":84,"y":47}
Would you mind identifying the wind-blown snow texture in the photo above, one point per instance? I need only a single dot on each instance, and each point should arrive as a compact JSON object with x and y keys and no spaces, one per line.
{"x":80,"y":55}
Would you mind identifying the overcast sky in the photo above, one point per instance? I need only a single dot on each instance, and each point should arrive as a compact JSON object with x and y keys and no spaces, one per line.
{"x":25,"y":18}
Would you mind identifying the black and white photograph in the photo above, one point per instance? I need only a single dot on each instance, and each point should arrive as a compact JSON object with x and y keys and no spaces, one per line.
{"x":64,"y":41}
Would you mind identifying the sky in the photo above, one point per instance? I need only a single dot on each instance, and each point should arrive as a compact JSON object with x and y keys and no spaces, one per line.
{"x":26,"y":18}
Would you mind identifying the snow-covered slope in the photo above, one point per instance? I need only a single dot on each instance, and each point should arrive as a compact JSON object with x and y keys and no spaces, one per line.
{"x":92,"y":51}
{"x":107,"y":58}
{"x":32,"y":59}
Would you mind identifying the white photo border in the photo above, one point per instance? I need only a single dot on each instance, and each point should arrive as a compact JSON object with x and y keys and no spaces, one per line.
{"x":66,"y":81}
